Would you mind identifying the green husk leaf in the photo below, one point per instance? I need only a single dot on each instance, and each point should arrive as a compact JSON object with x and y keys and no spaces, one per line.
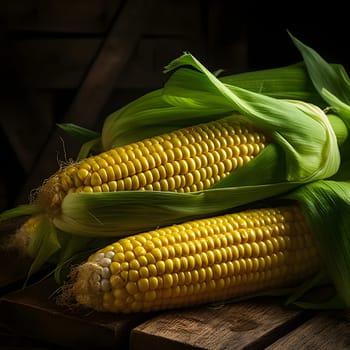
{"x":90,"y":147}
{"x":302,"y":130}
{"x":326,"y":205}
{"x":268,"y":165}
{"x":193,"y":95}
{"x":340,"y":128}
{"x":126,"y":212}
{"x":156,"y":112}
{"x":333,"y":85}
{"x":151,"y":115}
{"x":52,"y":247}
{"x":20,"y":210}
{"x":80,"y":133}
{"x":330,"y":80}
{"x":75,"y":249}
{"x":43,"y":245}
{"x":289,"y":82}
{"x":91,"y":140}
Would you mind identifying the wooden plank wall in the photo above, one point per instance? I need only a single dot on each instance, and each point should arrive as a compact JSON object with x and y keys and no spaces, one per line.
{"x":78,"y":61}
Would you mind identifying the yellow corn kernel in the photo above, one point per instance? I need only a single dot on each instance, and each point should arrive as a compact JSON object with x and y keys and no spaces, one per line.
{"x":188,"y":159}
{"x":240,"y":256}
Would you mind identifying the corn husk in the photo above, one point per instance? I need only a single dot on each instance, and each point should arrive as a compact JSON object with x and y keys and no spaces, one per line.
{"x":330,"y":80}
{"x":287,"y":82}
{"x":326,"y":205}
{"x":304,"y":149}
{"x":332,"y":83}
{"x":47,"y":245}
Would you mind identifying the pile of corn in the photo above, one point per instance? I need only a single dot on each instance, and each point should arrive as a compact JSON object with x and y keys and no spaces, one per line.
{"x":209,"y":189}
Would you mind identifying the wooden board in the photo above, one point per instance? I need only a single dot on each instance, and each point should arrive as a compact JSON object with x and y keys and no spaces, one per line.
{"x":33,"y":313}
{"x":326,"y":331}
{"x":245,"y":325}
{"x":263,"y":323}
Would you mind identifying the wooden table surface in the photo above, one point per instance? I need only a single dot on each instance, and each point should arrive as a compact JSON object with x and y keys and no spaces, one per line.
{"x":31,"y":319}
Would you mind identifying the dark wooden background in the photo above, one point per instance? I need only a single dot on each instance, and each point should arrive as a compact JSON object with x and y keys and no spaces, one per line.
{"x":77,"y":61}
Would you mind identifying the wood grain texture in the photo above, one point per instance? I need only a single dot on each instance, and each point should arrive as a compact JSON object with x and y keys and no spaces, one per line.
{"x":326,"y":331}
{"x":237,"y":326}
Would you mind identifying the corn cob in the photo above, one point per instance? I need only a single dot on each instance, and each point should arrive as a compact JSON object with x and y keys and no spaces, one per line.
{"x":29,"y":226}
{"x":20,"y":240}
{"x":185,"y":160}
{"x":302,"y":148}
{"x":197,"y":262}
